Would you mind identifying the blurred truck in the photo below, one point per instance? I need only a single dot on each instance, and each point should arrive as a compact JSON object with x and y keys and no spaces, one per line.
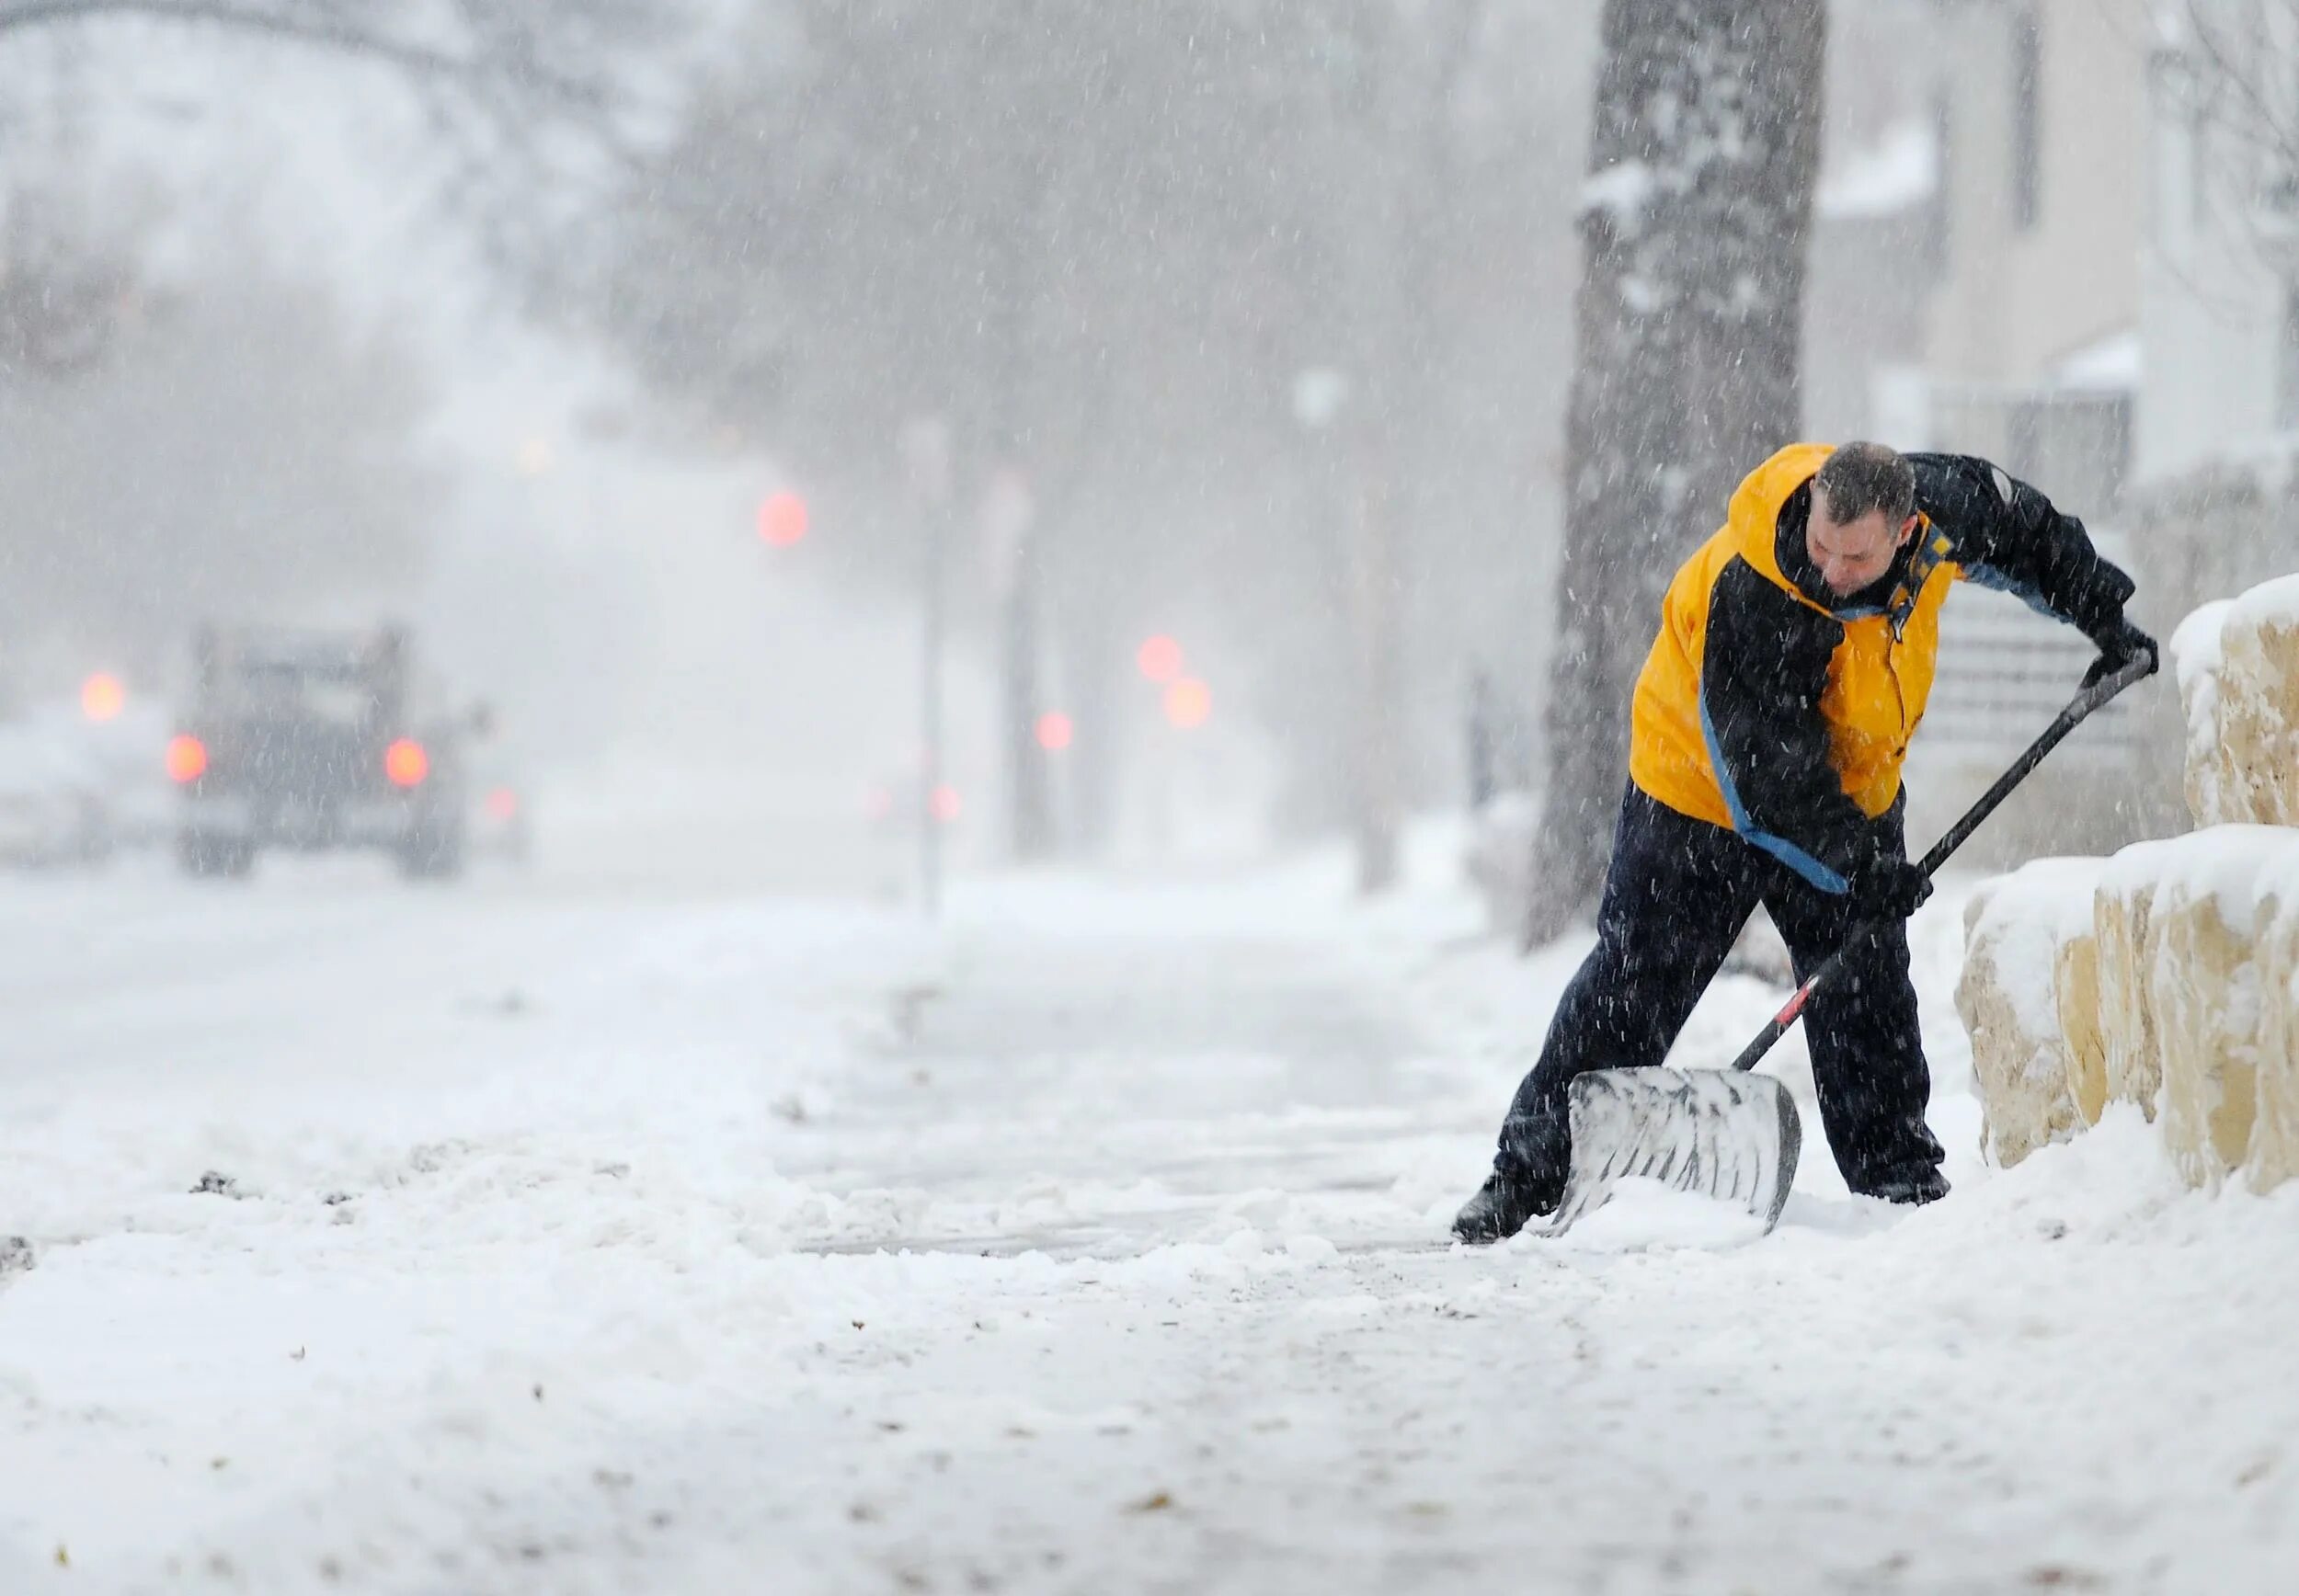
{"x":315,"y":741}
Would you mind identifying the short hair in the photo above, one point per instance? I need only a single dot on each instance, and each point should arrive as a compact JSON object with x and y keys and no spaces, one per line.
{"x":1862,"y":478}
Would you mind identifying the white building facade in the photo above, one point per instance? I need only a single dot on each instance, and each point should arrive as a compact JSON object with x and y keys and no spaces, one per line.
{"x":2220,"y":259}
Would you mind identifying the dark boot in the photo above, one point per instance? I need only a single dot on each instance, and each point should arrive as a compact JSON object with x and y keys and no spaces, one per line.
{"x":1928,"y":1186}
{"x":1501,"y":1208}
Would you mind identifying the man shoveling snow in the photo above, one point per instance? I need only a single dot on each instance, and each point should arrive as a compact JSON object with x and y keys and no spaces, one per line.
{"x":1795,"y":655}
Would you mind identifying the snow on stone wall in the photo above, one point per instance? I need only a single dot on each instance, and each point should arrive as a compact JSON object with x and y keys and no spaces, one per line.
{"x":2239,"y":672}
{"x":2168,"y":975}
{"x":2211,"y":916}
{"x":2014,"y":927}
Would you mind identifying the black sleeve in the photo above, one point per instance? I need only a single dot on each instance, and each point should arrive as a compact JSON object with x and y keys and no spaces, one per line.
{"x":1762,"y":672}
{"x":2005,"y":534}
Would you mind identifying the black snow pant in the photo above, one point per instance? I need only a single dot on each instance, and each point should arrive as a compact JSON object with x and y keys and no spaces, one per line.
{"x":1677,"y":894}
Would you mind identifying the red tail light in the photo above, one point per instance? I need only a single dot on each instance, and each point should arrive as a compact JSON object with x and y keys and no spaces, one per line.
{"x":186,"y":758}
{"x":405,"y":763}
{"x":503,"y":804}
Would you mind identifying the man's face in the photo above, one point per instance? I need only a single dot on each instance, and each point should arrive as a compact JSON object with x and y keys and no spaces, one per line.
{"x":1851,"y":554}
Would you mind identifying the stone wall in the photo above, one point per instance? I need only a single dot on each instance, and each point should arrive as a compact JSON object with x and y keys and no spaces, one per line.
{"x":2168,"y":976}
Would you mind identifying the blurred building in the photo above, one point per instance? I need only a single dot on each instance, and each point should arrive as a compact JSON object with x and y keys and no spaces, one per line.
{"x":2220,"y":257}
{"x":1877,"y":253}
{"x":1977,"y":287}
{"x":1976,"y":278}
{"x":2215,"y":508}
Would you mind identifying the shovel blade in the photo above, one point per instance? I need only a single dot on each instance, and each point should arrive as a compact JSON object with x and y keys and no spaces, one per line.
{"x":1722,"y":1132}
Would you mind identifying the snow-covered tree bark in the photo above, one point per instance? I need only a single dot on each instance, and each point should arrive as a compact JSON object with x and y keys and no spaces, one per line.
{"x":1703,"y":152}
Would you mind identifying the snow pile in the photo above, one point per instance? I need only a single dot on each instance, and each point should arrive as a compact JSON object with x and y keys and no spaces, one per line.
{"x":1646,"y":1216}
{"x":2021,"y":934}
{"x":2239,"y":669}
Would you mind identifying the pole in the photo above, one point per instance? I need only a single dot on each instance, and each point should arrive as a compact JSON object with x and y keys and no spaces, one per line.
{"x":925,"y":444}
{"x":930,"y":823}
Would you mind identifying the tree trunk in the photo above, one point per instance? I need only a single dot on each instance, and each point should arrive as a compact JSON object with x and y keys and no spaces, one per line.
{"x":1703,"y":155}
{"x":1376,"y":733}
{"x":1017,"y":261}
{"x":1030,"y":814}
{"x":1094,"y":680}
{"x":1396,"y":451}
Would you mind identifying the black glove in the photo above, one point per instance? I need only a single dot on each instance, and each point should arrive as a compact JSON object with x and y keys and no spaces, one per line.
{"x":2120,"y":644}
{"x":1888,"y":889}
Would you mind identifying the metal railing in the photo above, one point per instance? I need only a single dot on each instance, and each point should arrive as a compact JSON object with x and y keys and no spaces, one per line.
{"x":2005,"y":669}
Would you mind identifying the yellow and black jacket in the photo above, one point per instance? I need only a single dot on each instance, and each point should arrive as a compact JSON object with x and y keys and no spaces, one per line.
{"x":1783,"y":711}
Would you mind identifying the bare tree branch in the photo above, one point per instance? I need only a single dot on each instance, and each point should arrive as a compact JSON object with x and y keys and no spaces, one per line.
{"x":535,"y":104}
{"x":324,"y":29}
{"x":2258,"y":121}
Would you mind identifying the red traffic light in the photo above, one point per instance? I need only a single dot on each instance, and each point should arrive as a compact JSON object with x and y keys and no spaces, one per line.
{"x":103,"y":695}
{"x":1159,"y":658}
{"x":783,"y":520}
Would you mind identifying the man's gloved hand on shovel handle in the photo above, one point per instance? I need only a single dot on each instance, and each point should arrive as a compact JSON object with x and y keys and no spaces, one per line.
{"x":1889,"y":888}
{"x":2120,"y":644}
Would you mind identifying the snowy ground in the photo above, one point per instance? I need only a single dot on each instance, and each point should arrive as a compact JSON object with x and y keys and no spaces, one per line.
{"x":572,"y":1242}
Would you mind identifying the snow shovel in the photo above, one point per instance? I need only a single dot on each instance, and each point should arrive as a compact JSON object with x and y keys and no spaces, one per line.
{"x":1728,"y":1133}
